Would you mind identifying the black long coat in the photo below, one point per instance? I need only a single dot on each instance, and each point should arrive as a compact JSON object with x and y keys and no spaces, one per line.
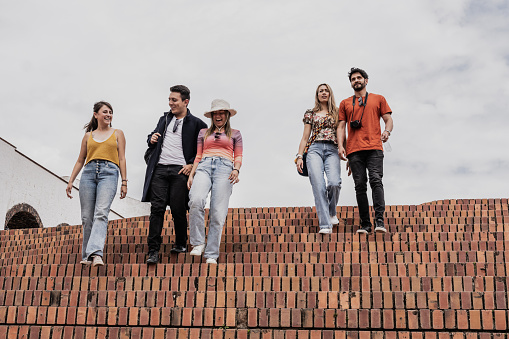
{"x":191,"y":126}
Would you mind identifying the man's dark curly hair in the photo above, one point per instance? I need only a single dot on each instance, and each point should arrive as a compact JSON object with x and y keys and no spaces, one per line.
{"x":185,"y":93}
{"x":357,"y":70}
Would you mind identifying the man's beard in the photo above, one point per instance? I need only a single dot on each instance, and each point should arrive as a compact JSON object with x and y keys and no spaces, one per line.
{"x":358,"y":88}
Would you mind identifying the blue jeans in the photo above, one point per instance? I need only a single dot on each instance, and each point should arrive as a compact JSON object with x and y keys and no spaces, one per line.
{"x":98,"y":186}
{"x":324,"y":158}
{"x":371,"y":161}
{"x":211,"y":176}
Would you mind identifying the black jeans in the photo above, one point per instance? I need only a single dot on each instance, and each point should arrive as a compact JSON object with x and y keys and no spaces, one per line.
{"x":168,"y":188}
{"x":373,"y":162}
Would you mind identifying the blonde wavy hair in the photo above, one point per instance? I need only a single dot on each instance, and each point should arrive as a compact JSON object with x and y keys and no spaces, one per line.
{"x":332,"y":109}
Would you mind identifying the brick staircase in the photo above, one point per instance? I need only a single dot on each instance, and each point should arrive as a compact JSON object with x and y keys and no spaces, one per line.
{"x":442,"y":271}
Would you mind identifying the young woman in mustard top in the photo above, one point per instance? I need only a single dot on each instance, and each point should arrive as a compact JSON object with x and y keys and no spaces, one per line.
{"x":103,"y":153}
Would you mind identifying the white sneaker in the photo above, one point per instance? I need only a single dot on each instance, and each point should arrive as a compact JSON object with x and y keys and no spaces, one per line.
{"x":334,"y":220}
{"x":85,"y":262}
{"x":211,"y":261}
{"x":325,"y":231}
{"x":98,"y":261}
{"x":198,"y":249}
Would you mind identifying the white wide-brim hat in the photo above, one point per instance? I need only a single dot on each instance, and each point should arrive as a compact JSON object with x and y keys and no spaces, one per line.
{"x":220,"y":105}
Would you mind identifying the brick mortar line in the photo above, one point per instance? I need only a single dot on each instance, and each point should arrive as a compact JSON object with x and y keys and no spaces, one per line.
{"x":347,"y":329}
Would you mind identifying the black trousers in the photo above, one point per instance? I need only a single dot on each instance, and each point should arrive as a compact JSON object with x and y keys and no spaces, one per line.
{"x":373,"y":162}
{"x":168,"y":188}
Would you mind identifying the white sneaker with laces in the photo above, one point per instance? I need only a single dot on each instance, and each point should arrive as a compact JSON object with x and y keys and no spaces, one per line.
{"x":334,"y":220}
{"x":211,"y":261}
{"x":325,"y":231}
{"x":198,"y":249}
{"x":98,"y":261}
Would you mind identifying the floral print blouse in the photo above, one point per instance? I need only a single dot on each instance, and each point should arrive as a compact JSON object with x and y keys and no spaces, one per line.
{"x":322,"y":127}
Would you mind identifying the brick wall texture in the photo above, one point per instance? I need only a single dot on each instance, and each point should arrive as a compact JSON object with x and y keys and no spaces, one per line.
{"x":441,"y":271}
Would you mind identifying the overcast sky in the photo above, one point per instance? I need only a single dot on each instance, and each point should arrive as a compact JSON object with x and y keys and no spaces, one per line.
{"x":443,"y":67}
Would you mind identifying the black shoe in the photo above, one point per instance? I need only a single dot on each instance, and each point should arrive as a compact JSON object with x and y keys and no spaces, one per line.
{"x":153,"y":258}
{"x":178,"y":249}
{"x":379,"y":226}
{"x":364,"y":229}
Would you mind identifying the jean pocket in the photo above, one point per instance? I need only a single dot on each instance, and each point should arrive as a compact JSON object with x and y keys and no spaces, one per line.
{"x":226,"y":162}
{"x":110,"y":164}
{"x":111,"y":169}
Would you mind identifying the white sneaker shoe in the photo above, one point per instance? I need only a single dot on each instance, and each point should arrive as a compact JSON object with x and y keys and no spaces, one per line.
{"x":198,"y":249}
{"x":325,"y":231}
{"x":334,"y":220}
{"x":85,"y":262}
{"x":211,"y":261}
{"x":98,"y":261}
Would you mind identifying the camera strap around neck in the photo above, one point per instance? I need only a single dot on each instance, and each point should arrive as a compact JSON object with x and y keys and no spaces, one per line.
{"x":360,"y":104}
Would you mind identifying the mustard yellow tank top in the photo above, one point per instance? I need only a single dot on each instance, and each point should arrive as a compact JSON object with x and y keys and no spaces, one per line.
{"x":106,"y":150}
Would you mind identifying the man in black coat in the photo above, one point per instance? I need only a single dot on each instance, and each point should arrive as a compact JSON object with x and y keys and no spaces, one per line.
{"x":170,"y":156}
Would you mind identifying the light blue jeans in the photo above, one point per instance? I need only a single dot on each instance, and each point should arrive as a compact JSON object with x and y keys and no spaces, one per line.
{"x":324,"y":158}
{"x":98,"y":186}
{"x":211,"y":176}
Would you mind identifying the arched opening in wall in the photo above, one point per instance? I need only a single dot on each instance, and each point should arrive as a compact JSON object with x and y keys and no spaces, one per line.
{"x":22,"y":216}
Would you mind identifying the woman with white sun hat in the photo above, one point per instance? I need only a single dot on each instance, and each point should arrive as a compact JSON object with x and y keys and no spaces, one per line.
{"x":216,"y":169}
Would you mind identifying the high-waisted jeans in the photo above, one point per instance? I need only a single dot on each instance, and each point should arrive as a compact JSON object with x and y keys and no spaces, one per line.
{"x":211,"y":176}
{"x":324,"y":158}
{"x":98,"y":186}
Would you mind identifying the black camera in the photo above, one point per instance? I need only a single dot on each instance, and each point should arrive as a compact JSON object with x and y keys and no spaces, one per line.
{"x":355,"y":124}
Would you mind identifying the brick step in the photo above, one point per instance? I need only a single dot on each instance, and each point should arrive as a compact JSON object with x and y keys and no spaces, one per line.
{"x":279,"y":237}
{"x":227,"y":246}
{"x":137,"y":254}
{"x":53,"y":233}
{"x":154,"y":283}
{"x":262,"y":270}
{"x":260,"y":318}
{"x":260,"y":299}
{"x":392,"y":218}
{"x":278,"y":226}
{"x":122,"y":332}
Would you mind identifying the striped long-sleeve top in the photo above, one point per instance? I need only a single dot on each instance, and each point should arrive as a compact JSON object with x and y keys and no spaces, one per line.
{"x":218,"y":145}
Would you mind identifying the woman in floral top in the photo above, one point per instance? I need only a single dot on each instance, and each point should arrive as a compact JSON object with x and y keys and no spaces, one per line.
{"x":320,"y":141}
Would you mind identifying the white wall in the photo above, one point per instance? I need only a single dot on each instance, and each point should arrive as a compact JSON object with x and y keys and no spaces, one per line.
{"x":24,"y":181}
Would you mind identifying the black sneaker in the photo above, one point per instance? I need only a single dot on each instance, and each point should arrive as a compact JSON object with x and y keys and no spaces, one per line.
{"x":178,"y":249}
{"x":364,"y":229}
{"x":153,"y":258}
{"x":379,"y":226}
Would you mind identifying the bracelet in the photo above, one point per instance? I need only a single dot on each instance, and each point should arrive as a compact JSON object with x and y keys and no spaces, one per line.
{"x":124,"y":180}
{"x":124,"y":185}
{"x":388,"y":132}
{"x":236,"y":170}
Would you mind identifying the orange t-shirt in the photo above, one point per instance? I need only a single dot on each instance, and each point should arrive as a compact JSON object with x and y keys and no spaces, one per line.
{"x":368,"y":136}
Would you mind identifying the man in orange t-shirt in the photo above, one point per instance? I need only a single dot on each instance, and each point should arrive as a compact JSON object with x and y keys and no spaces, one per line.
{"x":364,"y":150}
